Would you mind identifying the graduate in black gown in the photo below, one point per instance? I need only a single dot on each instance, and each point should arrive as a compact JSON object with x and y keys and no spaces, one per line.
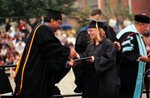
{"x":134,"y":57}
{"x":43,"y":59}
{"x":83,"y":40}
{"x":100,"y":77}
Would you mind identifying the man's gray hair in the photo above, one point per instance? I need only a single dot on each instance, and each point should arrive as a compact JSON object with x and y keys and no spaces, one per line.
{"x":95,"y":12}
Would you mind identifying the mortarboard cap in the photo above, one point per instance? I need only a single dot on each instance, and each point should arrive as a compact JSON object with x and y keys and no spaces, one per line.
{"x":142,"y":18}
{"x":55,"y":14}
{"x":97,"y":23}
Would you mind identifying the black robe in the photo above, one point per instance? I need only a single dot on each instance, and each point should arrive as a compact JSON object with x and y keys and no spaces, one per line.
{"x":5,"y":86}
{"x":132,"y":70}
{"x":46,"y":61}
{"x":100,"y":79}
{"x":82,"y":41}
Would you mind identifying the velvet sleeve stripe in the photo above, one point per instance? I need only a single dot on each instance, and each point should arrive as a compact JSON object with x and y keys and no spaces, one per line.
{"x":129,"y":38}
{"x":126,"y":49}
{"x":126,"y":42}
{"x":127,"y":45}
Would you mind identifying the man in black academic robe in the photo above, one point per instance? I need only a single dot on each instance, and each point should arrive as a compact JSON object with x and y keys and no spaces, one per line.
{"x":134,"y":57}
{"x":43,"y":59}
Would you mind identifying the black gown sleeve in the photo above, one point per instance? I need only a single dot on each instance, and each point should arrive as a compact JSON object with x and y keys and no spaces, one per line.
{"x":50,"y":45}
{"x":53,"y":51}
{"x":82,"y":41}
{"x":128,"y":48}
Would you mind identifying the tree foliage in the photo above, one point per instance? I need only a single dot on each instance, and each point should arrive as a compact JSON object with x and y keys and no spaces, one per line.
{"x":32,"y":8}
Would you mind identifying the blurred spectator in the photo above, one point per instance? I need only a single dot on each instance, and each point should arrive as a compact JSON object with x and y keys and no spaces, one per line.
{"x":146,"y":38}
{"x":12,"y":32}
{"x":7,"y":26}
{"x":1,"y":60}
{"x":127,"y":22}
{"x":71,"y":39}
{"x":113,"y":22}
{"x":23,"y":37}
{"x":16,"y":58}
{"x":5,"y":38}
{"x":4,"y":49}
{"x":9,"y":58}
{"x":22,"y":26}
{"x":33,"y":22}
{"x":42,"y":19}
{"x":20,"y":47}
{"x":66,"y":35}
{"x":1,"y":36}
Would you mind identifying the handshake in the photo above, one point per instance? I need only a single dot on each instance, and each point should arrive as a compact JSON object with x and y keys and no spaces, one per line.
{"x":73,"y":54}
{"x":74,"y":58}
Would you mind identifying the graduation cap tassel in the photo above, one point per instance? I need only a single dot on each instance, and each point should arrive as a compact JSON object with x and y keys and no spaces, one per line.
{"x":97,"y":26}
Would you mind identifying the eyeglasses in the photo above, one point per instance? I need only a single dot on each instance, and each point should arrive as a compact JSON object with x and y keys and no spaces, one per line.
{"x":59,"y":22}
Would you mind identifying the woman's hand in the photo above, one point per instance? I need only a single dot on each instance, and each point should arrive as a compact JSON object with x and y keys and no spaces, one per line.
{"x":92,"y":59}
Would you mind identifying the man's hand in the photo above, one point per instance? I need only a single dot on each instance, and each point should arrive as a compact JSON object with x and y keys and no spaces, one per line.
{"x":73,"y":54}
{"x":117,"y":46}
{"x":71,"y":63}
{"x":144,"y":58}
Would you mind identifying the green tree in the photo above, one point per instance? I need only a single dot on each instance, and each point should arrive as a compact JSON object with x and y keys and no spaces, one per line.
{"x":32,"y":8}
{"x":108,"y":8}
{"x":122,"y":10}
{"x":81,"y":16}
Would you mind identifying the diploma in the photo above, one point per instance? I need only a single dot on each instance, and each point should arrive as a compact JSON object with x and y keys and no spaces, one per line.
{"x":82,"y":59}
